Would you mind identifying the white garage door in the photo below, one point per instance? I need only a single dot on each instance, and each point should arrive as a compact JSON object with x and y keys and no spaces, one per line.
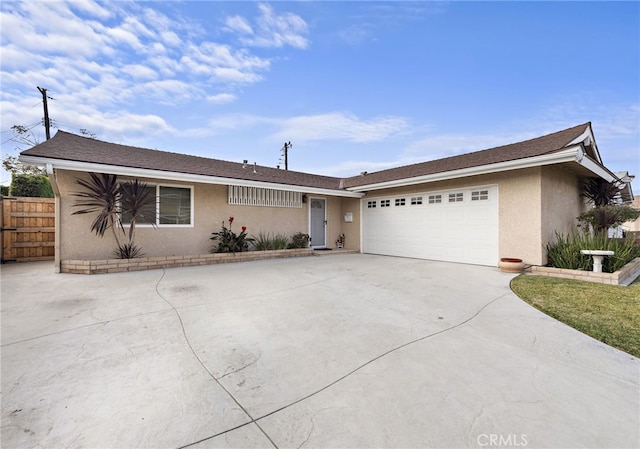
{"x":454,"y":225}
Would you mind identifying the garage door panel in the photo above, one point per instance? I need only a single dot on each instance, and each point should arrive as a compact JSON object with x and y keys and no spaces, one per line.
{"x":463,"y":231}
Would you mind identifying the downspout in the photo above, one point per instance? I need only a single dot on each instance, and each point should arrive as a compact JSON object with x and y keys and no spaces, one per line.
{"x":56,"y":192}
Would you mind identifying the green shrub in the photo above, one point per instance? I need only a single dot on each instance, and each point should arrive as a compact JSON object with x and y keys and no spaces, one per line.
{"x":299,"y":240}
{"x":267,"y":242}
{"x":565,"y":251}
{"x":31,"y":185}
{"x":601,"y":218}
{"x":4,"y":190}
{"x":229,"y":241}
{"x":280,"y":241}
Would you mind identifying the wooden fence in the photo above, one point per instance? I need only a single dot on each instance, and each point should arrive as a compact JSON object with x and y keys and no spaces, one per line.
{"x":27,"y":227}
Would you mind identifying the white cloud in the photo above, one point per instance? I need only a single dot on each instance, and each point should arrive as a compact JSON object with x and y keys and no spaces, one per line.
{"x":92,"y":8}
{"x":124,"y":36}
{"x":164,"y":65}
{"x":124,"y":122}
{"x":353,"y":168}
{"x":356,"y":35}
{"x":271,"y":29}
{"x":14,"y":58}
{"x":168,"y":92}
{"x":140,"y":72}
{"x":334,"y":126}
{"x":221,"y":98}
{"x":221,"y":63}
{"x":238,"y":24}
{"x":113,"y":68}
{"x":170,"y":38}
{"x":80,"y":59}
{"x":439,"y":146}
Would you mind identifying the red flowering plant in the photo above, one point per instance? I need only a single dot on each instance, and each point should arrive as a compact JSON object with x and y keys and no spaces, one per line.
{"x":229,"y":241}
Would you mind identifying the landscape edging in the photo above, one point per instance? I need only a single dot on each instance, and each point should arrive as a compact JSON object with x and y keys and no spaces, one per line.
{"x":153,"y":263}
{"x":625,"y":276}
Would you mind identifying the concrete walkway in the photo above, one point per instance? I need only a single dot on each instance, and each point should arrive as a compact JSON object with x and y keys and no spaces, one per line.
{"x":341,"y":351}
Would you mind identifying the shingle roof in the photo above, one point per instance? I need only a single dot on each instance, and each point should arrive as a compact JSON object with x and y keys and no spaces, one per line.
{"x":529,"y":148}
{"x":71,"y":147}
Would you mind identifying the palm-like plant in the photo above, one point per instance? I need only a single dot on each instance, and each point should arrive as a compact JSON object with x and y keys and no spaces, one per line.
{"x":110,"y":200}
{"x":102,"y":196}
{"x":608,"y":211}
{"x":135,"y":201}
{"x":600,"y":192}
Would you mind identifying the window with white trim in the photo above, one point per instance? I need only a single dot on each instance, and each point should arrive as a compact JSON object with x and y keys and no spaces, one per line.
{"x":371,"y":204}
{"x":416,"y":200}
{"x":435,"y":199}
{"x":172,"y":206}
{"x":479,"y":195}
{"x":385,"y":203}
{"x":456,"y":197}
{"x":400,"y":202}
{"x":260,"y":196}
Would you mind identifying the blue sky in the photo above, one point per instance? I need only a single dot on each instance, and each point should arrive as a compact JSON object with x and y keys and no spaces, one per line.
{"x":354,"y":86}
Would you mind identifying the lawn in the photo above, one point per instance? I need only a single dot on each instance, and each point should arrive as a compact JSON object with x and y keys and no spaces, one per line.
{"x":608,"y":313}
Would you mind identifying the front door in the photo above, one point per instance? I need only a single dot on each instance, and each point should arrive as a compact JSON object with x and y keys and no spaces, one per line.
{"x":318,"y":222}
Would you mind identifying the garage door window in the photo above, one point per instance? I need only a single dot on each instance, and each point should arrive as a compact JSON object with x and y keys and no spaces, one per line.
{"x":479,"y":195}
{"x":435,"y":199}
{"x":456,"y":197}
{"x":416,"y":200}
{"x":385,"y":203}
{"x":400,"y":201}
{"x":371,"y":204}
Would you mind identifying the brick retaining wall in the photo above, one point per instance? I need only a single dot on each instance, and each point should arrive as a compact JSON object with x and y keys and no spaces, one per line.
{"x":152,"y":263}
{"x":624,"y":276}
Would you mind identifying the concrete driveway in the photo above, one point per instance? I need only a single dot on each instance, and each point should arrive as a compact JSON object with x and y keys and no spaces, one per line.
{"x":339,"y":351}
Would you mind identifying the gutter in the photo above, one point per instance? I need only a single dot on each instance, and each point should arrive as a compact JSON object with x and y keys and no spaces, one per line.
{"x":61,"y":164}
{"x":57,"y":220}
{"x":572,"y":154}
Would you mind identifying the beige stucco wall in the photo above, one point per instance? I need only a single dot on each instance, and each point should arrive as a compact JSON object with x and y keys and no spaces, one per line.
{"x":351,"y":230}
{"x":211,"y":208}
{"x":520,"y":216}
{"x":561,"y":203}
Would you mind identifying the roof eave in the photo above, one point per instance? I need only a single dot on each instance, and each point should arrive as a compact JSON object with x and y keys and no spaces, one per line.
{"x":588,"y":137}
{"x":62,"y":164}
{"x":572,"y":154}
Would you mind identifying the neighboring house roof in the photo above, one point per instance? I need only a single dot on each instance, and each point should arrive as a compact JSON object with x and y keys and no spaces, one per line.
{"x":575,"y":145}
{"x":626,"y":192}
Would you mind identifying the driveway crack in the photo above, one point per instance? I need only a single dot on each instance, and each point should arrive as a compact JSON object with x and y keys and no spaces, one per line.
{"x":320,"y":390}
{"x":204,"y":366}
{"x":384,"y":354}
{"x":241,"y":368}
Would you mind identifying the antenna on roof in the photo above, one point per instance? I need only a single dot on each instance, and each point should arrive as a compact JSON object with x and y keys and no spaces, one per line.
{"x":285,"y":153}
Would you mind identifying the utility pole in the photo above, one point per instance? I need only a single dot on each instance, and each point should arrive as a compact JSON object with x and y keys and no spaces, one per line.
{"x":47,"y":124}
{"x":285,"y":152}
